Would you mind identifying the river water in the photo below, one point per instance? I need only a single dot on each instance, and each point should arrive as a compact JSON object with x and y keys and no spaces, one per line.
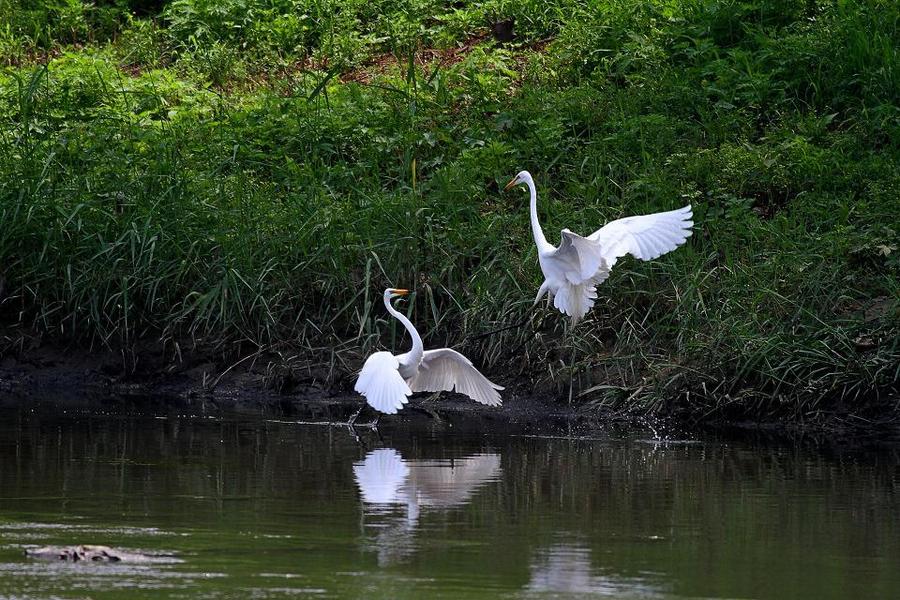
{"x":248,"y":507}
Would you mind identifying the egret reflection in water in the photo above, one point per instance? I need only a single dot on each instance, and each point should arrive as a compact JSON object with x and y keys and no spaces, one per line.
{"x":387,"y":482}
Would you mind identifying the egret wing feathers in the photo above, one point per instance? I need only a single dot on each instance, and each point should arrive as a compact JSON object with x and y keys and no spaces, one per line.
{"x":380,"y":382}
{"x":645,"y":236}
{"x":582,"y":257}
{"x":573,"y":271}
{"x":444,"y":369}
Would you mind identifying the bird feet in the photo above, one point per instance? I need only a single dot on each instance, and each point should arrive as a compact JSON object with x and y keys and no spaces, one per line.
{"x":352,"y":420}
{"x":432,"y":398}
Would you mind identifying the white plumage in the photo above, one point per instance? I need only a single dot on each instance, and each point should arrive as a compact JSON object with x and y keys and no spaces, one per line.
{"x":573,"y":271}
{"x":444,"y":369}
{"x":380,"y":382}
{"x":387,"y":381}
{"x":646,"y":236}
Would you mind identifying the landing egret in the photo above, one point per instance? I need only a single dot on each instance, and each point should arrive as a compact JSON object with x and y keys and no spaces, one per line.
{"x":387,"y":380}
{"x":573,"y":271}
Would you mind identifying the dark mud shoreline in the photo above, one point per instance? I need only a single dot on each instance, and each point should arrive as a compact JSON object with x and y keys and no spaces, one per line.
{"x":81,"y":380}
{"x":97,"y":379}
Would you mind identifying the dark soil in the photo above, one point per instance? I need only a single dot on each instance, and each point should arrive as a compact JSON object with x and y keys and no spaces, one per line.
{"x":98,"y":379}
{"x":200,"y":384}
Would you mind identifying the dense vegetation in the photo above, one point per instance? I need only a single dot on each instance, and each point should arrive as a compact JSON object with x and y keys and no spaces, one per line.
{"x":248,"y":175}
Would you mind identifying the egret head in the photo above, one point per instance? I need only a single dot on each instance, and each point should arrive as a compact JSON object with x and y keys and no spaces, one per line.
{"x":519,"y":179}
{"x":394,"y":293}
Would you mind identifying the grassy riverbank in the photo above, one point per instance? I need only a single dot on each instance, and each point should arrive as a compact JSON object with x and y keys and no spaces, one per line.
{"x":248,"y":175}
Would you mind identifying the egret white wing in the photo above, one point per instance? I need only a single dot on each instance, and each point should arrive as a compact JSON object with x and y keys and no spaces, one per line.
{"x":645,"y":236}
{"x":380,"y":382}
{"x":445,"y":370}
{"x":580,"y":258}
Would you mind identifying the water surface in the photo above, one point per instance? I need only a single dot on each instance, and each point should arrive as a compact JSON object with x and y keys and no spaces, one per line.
{"x":258,"y":508}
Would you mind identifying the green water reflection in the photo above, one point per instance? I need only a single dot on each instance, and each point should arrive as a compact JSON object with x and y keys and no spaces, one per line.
{"x":263,"y":509}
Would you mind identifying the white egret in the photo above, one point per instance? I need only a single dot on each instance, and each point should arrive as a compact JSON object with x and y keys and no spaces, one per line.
{"x":573,"y":271}
{"x":387,"y":380}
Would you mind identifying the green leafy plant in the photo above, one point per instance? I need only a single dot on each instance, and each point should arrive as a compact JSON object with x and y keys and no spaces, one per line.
{"x":250,"y":174}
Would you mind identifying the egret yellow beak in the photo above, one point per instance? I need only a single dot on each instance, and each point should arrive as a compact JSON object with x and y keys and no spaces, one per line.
{"x":399,"y":292}
{"x":512,"y":182}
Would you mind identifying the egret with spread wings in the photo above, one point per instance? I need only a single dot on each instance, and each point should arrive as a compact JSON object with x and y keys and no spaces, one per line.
{"x":387,"y":380}
{"x":573,"y":271}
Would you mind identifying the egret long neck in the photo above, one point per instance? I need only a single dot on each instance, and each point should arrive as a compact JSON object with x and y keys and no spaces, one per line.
{"x":418,"y":350}
{"x":542,"y":244}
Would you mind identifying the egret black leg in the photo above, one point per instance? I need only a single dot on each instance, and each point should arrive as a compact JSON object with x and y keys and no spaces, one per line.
{"x":355,"y":435}
{"x":355,"y":415}
{"x":569,"y":333}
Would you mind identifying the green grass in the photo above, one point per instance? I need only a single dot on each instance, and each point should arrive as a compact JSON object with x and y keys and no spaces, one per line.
{"x":254,"y":172}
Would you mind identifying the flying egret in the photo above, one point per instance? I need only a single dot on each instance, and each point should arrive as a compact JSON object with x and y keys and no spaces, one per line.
{"x":573,"y":271}
{"x":387,"y":380}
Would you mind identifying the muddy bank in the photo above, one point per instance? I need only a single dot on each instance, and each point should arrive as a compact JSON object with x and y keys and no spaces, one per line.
{"x":77,"y":379}
{"x":200,"y":384}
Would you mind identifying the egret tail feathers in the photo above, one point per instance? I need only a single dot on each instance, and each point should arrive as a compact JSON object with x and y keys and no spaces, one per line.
{"x":576,"y":300}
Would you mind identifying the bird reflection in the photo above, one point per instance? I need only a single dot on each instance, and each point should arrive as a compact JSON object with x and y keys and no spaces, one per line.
{"x":387,"y":482}
{"x":566,"y":568}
